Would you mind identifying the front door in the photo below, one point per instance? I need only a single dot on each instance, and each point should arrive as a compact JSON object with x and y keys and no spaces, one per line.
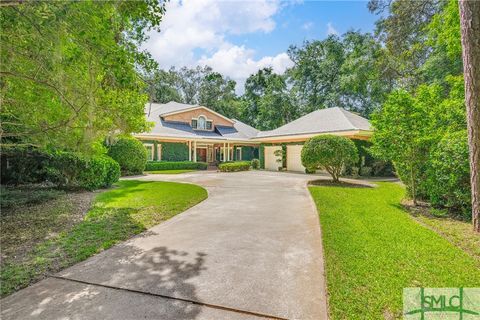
{"x":202,"y":154}
{"x":210,"y":154}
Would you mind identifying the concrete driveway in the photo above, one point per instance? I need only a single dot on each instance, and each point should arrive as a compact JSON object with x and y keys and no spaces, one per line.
{"x":252,"y":250}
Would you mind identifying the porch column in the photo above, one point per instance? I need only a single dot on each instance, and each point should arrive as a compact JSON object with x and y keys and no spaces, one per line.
{"x":189,"y":150}
{"x":228,"y":151}
{"x":224,"y":152}
{"x":194,"y":151}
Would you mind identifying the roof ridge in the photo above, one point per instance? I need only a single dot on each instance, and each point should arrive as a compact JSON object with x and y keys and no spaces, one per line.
{"x":343,"y":111}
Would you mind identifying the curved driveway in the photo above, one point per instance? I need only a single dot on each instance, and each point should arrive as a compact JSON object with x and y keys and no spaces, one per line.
{"x":252,"y":250}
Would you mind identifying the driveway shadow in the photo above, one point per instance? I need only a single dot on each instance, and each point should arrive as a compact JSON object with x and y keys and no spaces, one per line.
{"x":161,"y":271}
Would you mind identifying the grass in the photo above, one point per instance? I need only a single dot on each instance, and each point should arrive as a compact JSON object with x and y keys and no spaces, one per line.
{"x":172,"y":171}
{"x":374,"y":249}
{"x":456,"y":231}
{"x":116,"y":215}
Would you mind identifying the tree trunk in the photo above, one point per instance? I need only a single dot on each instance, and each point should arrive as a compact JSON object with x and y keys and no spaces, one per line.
{"x":470,"y":27}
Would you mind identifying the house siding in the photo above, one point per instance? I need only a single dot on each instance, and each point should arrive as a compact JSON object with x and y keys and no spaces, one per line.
{"x":188,"y":115}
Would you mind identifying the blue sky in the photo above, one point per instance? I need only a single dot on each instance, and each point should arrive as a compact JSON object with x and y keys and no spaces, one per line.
{"x":309,"y":21}
{"x":236,"y":38}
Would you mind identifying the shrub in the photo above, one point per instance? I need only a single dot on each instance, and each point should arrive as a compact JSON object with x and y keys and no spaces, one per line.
{"x":70,"y":170}
{"x":112,"y":171}
{"x":366,"y":171}
{"x":255,"y":164}
{"x":130,"y":154}
{"x":177,"y":165}
{"x":449,"y":173}
{"x":329,"y":152}
{"x":20,"y":165}
{"x":234,"y":166}
{"x":382,"y":168}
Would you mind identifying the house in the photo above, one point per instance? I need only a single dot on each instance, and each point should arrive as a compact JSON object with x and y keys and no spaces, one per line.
{"x":183,"y":132}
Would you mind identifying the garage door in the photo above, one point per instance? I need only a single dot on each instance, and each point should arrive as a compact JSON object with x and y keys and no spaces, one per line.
{"x":271,"y":159}
{"x":294,"y":158}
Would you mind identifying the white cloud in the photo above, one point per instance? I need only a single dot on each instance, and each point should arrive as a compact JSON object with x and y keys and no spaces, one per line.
{"x":200,"y":27}
{"x":307,"y":25}
{"x":331,"y":29}
{"x":238,"y":63}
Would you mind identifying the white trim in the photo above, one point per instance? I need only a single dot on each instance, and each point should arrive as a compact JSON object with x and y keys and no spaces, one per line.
{"x":152,"y":150}
{"x":206,"y":120}
{"x":236,"y":157}
{"x":363,"y":133}
{"x":194,"y":108}
{"x":159,"y":152}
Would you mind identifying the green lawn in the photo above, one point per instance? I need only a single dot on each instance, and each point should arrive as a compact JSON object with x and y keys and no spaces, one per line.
{"x":373,"y":249}
{"x":172,"y":171}
{"x":116,"y":215}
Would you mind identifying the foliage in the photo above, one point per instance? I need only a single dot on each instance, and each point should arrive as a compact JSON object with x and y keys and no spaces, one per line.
{"x":172,"y":151}
{"x":356,"y":224}
{"x":329,"y":152}
{"x":449,"y":173}
{"x":200,"y":85}
{"x":401,"y":136}
{"x":70,"y":71}
{"x":410,"y":125}
{"x":255,"y":163}
{"x":234,"y":166}
{"x":269,"y":103}
{"x":130,"y":154}
{"x":70,"y":170}
{"x":116,"y":215}
{"x":175,"y":165}
{"x":22,"y":165}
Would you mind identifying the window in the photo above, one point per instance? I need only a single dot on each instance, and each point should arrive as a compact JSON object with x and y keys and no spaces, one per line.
{"x":194,"y":123}
{"x":209,"y":125}
{"x":150,"y":151}
{"x":201,"y":123}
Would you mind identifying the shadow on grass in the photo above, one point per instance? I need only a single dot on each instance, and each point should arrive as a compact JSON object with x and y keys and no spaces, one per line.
{"x":101,"y":229}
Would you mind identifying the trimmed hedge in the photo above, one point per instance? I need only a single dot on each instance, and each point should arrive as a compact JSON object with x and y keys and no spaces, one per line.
{"x":174,"y":151}
{"x":234,"y":166}
{"x":69,"y":170}
{"x":130,"y":154}
{"x":175,"y":165}
{"x":63,"y":169}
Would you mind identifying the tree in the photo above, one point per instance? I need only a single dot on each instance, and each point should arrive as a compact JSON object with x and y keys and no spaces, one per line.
{"x":69,"y":71}
{"x":130,"y":154}
{"x":329,"y":152}
{"x":470,"y":26}
{"x":316,"y":72}
{"x":269,"y":103}
{"x":401,"y":136}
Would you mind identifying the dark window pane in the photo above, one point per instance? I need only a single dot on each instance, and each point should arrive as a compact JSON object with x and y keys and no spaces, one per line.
{"x":194,"y":124}
{"x":209,"y":125}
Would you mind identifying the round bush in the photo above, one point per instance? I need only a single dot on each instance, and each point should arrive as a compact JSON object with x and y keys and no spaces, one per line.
{"x":329,"y":152}
{"x":112,"y":169}
{"x":255,"y":164}
{"x":130,"y":154}
{"x":449,"y":172}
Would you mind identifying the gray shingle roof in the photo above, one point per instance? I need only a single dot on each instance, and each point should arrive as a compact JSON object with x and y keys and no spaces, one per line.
{"x":321,"y":121}
{"x":239,"y":131}
{"x":164,"y":108}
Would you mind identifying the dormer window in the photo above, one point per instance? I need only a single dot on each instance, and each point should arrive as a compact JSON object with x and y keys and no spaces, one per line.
{"x":202,"y":123}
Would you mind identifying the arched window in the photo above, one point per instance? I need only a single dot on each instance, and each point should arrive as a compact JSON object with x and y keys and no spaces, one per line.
{"x":202,"y":123}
